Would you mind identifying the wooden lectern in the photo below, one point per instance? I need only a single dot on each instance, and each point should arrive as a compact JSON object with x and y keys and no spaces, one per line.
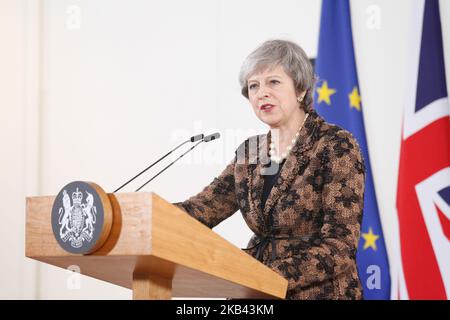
{"x":158,"y":251}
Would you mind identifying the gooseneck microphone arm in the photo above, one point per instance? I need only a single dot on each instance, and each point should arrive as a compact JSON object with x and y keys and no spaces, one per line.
{"x":208,"y":138}
{"x":170,"y":164}
{"x":192,"y":139}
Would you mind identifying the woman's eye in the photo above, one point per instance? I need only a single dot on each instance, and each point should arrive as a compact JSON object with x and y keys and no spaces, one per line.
{"x":274,"y":81}
{"x":252,"y":86}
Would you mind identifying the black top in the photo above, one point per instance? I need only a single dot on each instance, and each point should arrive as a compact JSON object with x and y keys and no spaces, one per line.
{"x":269,"y":181}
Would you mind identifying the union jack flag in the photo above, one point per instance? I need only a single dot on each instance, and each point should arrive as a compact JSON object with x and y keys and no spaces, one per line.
{"x":423,"y":194}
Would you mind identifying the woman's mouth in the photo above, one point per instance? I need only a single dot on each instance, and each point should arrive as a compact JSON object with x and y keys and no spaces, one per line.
{"x":266,"y":107}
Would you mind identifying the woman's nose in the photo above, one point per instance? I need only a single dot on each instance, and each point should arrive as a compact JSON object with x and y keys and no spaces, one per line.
{"x":263,"y":92}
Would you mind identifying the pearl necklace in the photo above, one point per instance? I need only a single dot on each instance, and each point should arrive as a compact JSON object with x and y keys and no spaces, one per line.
{"x":272,"y":152}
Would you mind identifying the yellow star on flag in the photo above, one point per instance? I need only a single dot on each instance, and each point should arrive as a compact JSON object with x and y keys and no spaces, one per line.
{"x":325,"y":93}
{"x":371,"y":239}
{"x":355,"y":99}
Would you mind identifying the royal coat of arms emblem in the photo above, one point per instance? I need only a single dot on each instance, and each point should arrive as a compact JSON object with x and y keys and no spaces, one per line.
{"x":78,"y":217}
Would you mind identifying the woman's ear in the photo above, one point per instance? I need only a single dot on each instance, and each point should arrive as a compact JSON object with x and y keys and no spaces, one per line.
{"x":301,"y":96}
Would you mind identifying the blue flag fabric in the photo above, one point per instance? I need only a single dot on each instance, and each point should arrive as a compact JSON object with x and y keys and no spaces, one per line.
{"x":338,"y":100}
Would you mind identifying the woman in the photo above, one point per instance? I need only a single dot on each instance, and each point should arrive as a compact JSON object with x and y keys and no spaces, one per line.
{"x":300,"y":187}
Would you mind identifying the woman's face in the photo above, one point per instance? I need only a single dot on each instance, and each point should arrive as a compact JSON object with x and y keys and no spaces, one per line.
{"x":273,"y":96}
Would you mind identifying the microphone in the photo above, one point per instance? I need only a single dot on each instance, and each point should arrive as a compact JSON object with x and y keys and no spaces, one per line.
{"x":212,"y":137}
{"x":197,"y":137}
{"x":191,"y":139}
{"x":208,"y":138}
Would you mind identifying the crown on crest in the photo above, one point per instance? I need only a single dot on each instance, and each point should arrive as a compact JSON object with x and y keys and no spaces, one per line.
{"x":77,"y":196}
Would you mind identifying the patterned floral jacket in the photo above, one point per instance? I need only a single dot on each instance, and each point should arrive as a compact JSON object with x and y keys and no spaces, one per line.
{"x":309,"y":229}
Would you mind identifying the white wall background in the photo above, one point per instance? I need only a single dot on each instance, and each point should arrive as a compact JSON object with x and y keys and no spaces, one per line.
{"x":95,"y":90}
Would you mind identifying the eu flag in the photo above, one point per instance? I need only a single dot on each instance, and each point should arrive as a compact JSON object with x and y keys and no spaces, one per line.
{"x":338,"y":100}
